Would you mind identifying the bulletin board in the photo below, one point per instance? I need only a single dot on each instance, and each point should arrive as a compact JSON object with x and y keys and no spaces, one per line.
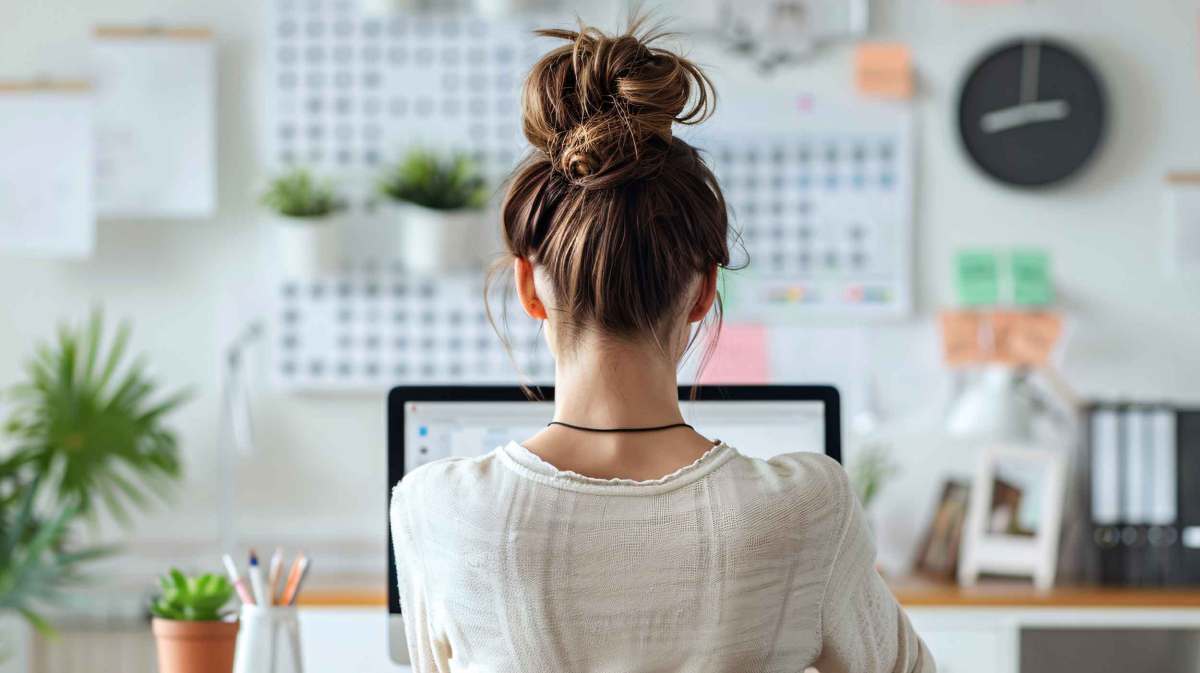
{"x":821,"y":196}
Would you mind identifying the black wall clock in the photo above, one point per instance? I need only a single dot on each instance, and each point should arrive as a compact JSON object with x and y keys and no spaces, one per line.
{"x":1031,"y":113}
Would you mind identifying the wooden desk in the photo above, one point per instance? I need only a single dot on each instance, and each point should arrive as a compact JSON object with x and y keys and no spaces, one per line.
{"x":317,"y":597}
{"x":989,"y":628}
{"x":917,"y":592}
{"x":910,"y":591}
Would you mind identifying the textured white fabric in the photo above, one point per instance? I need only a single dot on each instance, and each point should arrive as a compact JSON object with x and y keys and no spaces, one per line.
{"x":732,"y":564}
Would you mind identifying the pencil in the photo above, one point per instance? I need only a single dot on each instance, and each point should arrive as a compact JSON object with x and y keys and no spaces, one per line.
{"x":293,"y":579}
{"x":289,"y":597}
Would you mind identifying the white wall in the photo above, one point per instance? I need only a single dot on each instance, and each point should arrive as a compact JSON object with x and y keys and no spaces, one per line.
{"x":319,"y":472}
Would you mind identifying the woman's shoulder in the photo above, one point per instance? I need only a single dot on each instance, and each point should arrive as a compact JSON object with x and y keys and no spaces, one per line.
{"x":442,"y":480}
{"x":808,"y":484}
{"x":791,"y":470}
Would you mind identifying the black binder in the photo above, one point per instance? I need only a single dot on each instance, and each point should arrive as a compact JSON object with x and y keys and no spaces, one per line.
{"x":1186,"y":566}
{"x":1144,"y":545}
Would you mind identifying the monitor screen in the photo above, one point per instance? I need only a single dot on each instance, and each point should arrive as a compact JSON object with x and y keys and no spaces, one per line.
{"x":757,"y":428}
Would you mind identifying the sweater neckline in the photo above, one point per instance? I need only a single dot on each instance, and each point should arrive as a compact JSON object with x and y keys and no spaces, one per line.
{"x":531,"y":465}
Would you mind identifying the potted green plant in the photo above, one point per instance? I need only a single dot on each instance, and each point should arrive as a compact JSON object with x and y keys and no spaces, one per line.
{"x":193,"y":631}
{"x":86,"y":434}
{"x":306,"y":214}
{"x":439,"y":201}
{"x":869,"y":472}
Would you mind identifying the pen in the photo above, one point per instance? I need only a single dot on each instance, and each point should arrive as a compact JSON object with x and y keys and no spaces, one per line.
{"x":238,"y":582}
{"x":256,"y":581}
{"x":273,"y":575}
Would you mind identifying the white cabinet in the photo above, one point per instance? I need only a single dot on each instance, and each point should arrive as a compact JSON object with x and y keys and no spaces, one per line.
{"x":989,"y":639}
{"x":968,"y":642}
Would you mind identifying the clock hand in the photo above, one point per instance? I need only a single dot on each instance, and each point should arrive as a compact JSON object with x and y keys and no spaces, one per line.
{"x":1031,"y":57}
{"x":1024,"y":114}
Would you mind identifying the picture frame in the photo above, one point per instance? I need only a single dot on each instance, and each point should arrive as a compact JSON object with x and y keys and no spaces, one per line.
{"x":937,"y":555}
{"x":1014,"y":518}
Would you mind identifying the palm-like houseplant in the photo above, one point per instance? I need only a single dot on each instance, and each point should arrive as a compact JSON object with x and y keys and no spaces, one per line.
{"x":87,"y":436}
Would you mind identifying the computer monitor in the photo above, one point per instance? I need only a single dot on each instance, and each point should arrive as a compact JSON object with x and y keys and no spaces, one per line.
{"x":426,"y":423}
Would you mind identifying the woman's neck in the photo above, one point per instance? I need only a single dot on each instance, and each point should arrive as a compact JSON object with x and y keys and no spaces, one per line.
{"x":602,"y":384}
{"x":616,"y":385}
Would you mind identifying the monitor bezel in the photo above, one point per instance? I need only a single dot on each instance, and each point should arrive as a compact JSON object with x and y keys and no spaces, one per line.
{"x":400,"y":395}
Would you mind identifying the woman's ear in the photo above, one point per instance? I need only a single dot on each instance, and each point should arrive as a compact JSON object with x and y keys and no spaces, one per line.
{"x":527,"y":289}
{"x":706,"y":297}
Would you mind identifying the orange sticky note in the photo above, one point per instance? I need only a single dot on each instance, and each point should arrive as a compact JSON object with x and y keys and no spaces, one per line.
{"x":884,"y":70}
{"x":740,"y":356}
{"x":962,"y":338}
{"x":1025,"y":338}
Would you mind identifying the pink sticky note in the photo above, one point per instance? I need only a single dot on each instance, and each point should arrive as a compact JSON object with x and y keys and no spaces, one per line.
{"x":740,"y":356}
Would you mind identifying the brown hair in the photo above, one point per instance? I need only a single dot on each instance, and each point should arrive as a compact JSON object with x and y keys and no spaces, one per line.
{"x":621,"y":215}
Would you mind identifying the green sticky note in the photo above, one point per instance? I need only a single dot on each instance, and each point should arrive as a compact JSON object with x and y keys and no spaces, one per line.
{"x":1031,"y":278}
{"x":978,"y":278}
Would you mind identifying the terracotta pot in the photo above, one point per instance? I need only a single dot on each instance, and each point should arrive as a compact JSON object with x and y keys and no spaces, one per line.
{"x":195,"y":647}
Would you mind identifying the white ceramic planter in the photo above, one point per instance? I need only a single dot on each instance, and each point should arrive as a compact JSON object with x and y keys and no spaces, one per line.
{"x":306,"y":246}
{"x":433,"y":241}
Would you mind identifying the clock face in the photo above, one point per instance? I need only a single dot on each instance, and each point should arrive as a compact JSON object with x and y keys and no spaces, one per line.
{"x":1031,"y":113}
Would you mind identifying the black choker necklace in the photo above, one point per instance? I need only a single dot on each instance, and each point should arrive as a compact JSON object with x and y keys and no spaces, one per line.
{"x":654,"y":429}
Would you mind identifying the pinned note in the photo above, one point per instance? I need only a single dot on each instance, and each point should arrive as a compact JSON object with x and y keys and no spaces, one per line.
{"x":1025,"y":339}
{"x":884,"y":70}
{"x":1032,"y":285}
{"x":1015,"y":338}
{"x":977,"y":278}
{"x":962,"y":338}
{"x":740,"y":356}
{"x":1182,"y":244}
{"x":156,"y":148}
{"x":46,"y":169}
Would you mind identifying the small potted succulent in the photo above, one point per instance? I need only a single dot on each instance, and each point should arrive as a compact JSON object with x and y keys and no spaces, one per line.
{"x":439,"y":202}
{"x":194,"y":632}
{"x":306,"y":214}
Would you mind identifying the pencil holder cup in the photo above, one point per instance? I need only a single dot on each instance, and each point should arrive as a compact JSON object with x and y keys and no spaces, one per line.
{"x":269,"y":641}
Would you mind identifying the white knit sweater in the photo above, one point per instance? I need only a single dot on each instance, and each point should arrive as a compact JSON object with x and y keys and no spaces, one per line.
{"x":731,"y":565}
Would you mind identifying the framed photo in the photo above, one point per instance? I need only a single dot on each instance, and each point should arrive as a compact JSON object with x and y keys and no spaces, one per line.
{"x":937,"y":556}
{"x":1014,"y":516}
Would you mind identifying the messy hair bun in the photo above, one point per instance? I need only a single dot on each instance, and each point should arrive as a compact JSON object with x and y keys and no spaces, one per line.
{"x":601,"y":108}
{"x":620,"y":215}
